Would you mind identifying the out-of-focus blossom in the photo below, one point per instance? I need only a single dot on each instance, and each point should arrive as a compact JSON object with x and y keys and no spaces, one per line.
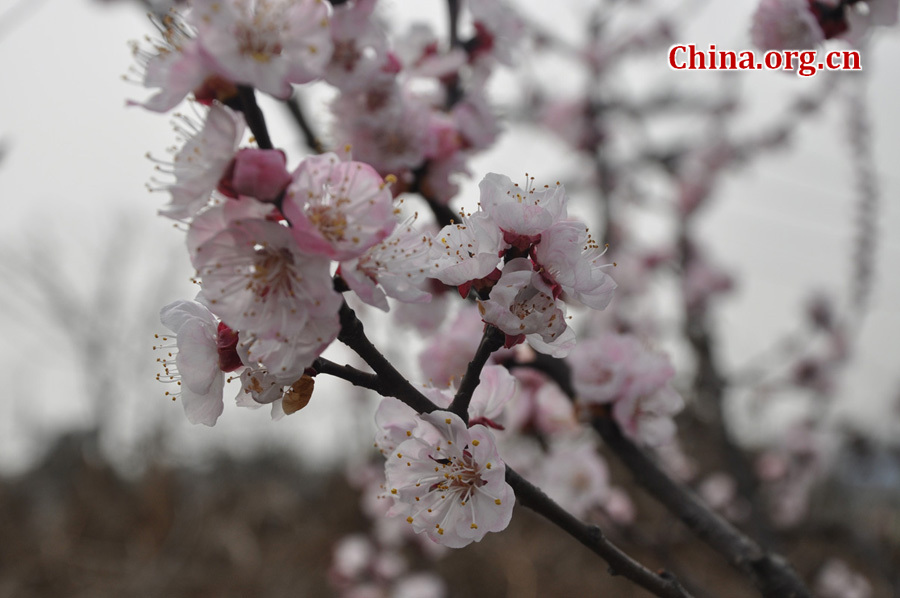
{"x":575,"y":476}
{"x":385,"y":126}
{"x":617,"y":369}
{"x":175,"y":66}
{"x":837,"y":580}
{"x":449,"y":352}
{"x":258,"y":173}
{"x":360,"y":47}
{"x":785,"y":25}
{"x":202,"y":161}
{"x":498,"y":27}
{"x":268,"y":44}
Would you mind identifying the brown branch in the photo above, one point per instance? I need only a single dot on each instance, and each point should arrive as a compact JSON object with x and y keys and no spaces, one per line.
{"x":354,"y":336}
{"x":254,"y":116}
{"x":769,"y":572}
{"x":529,"y":495}
{"x":312,"y":140}
{"x":491,"y":341}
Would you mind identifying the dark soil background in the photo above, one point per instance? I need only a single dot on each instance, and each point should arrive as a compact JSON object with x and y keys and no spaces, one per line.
{"x":72,"y":527}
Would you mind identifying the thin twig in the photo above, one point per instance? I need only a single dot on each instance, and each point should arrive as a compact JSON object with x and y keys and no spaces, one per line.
{"x":254,"y":116}
{"x":354,"y":336}
{"x":491,"y":341}
{"x":312,"y":140}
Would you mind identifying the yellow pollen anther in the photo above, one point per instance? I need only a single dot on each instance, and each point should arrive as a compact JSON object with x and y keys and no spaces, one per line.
{"x":409,"y":519}
{"x":394,"y":491}
{"x":497,"y":502}
{"x":475,"y":443}
{"x":448,"y":420}
{"x":473,"y":526}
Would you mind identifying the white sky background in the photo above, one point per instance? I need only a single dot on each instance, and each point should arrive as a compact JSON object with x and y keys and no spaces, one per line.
{"x":74,"y":170}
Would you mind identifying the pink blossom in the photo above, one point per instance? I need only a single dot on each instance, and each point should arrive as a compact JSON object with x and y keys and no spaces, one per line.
{"x":540,"y":405}
{"x":521,"y":304}
{"x":211,"y":222}
{"x":443,"y":138}
{"x":466,"y":251}
{"x":449,"y":352}
{"x":522,"y":212}
{"x":419,"y":52}
{"x":837,"y":580}
{"x":360,"y":47}
{"x":450,"y":483}
{"x":259,"y":173}
{"x":719,"y":490}
{"x":439,"y":180}
{"x":396,"y":268}
{"x":475,"y":120}
{"x":576,"y":476}
{"x":175,"y":66}
{"x":280,"y":299}
{"x":617,"y":369}
{"x":569,"y":260}
{"x":569,"y":120}
{"x":260,"y":387}
{"x":195,"y":366}
{"x":496,"y":387}
{"x":425,"y":317}
{"x":420,"y":585}
{"x":202,"y":160}
{"x":619,"y":506}
{"x":338,"y":209}
{"x":385,"y":126}
{"x":617,"y":366}
{"x":785,"y":25}
{"x":268,"y":44}
{"x":648,"y":418}
{"x":499,"y":28}
{"x":702,"y":282}
{"x":397,"y":421}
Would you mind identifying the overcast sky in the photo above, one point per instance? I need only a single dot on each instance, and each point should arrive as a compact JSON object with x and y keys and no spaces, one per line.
{"x":74,"y":166}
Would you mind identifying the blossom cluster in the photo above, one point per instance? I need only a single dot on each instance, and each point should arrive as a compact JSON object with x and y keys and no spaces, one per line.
{"x":278,"y":243}
{"x":547,"y":260}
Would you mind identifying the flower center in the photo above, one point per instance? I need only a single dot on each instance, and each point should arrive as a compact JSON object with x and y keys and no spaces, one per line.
{"x":329,"y":219}
{"x":273,"y":271}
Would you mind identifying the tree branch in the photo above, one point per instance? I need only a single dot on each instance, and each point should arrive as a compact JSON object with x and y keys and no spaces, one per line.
{"x":354,"y":336}
{"x":491,"y":341}
{"x":254,"y":116}
{"x":443,"y":213}
{"x":312,"y":140}
{"x":769,"y":572}
{"x":529,"y":495}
